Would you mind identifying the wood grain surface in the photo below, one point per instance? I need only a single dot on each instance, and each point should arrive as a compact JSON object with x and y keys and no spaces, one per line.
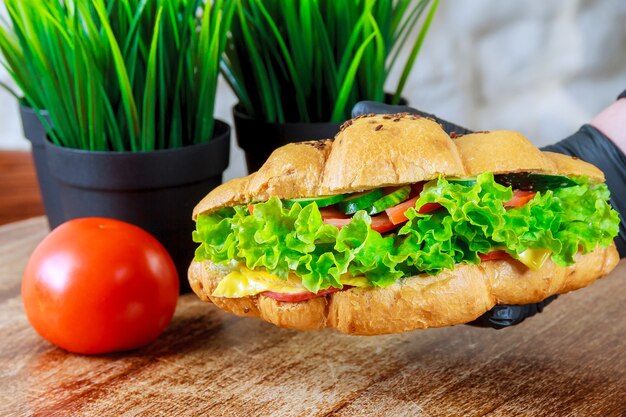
{"x":568,"y":361}
{"x":19,"y":192}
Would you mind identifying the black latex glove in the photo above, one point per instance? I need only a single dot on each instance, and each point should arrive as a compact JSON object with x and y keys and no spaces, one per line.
{"x":366,"y":107}
{"x":587,"y":144}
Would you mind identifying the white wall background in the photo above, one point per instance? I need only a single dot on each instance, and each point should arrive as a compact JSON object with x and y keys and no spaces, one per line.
{"x":540,"y":67}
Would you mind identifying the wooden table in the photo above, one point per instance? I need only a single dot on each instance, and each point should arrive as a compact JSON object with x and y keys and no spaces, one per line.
{"x":19,"y":191}
{"x":568,"y":361}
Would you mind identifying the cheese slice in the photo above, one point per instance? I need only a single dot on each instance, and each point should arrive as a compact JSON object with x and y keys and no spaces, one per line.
{"x":244,"y":282}
{"x":534,"y":258}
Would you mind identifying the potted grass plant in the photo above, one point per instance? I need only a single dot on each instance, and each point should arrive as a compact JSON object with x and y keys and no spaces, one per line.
{"x":130,"y":90}
{"x":298,"y":68}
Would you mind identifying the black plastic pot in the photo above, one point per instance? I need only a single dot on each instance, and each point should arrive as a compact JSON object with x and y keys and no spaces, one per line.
{"x":259,"y":138}
{"x":35,"y":132}
{"x":153,"y":190}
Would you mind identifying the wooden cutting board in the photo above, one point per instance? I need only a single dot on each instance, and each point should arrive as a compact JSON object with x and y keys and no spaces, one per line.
{"x":568,"y":361}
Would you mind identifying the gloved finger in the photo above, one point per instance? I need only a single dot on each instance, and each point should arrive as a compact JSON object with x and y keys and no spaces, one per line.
{"x":369,"y":107}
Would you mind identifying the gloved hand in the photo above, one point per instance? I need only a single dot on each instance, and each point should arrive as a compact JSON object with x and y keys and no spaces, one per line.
{"x":366,"y":107}
{"x":501,"y":315}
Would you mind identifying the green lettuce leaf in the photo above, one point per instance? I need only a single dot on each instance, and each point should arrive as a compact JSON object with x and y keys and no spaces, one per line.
{"x":472,"y":221}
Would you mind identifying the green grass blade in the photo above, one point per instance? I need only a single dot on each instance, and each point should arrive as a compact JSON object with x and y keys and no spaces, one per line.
{"x":175,"y":136}
{"x":339,"y":110}
{"x":414,"y":52}
{"x":132,"y":38}
{"x":327,"y":56}
{"x":125,"y":85}
{"x":295,"y":76}
{"x":110,"y":121}
{"x":84,"y":140}
{"x":210,"y":44}
{"x":348,"y":56}
{"x":260,"y":71}
{"x":9,"y":89}
{"x":401,"y":36}
{"x":233,"y":81}
{"x":377,"y":80}
{"x":398,"y":14}
{"x":149,"y":98}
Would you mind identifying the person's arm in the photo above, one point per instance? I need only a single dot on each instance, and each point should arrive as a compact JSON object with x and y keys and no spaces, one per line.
{"x":612,"y":122}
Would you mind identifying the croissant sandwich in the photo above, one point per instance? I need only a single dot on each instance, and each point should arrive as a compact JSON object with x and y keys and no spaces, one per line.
{"x":395,"y":226}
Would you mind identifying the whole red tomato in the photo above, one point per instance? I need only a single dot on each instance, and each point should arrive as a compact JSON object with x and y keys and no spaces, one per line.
{"x":98,"y":285}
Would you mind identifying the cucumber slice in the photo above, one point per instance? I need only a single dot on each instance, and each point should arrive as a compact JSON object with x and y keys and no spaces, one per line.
{"x":359,"y":201}
{"x":321,"y":201}
{"x":462,"y":181}
{"x":534,"y":182}
{"x":390,"y":200}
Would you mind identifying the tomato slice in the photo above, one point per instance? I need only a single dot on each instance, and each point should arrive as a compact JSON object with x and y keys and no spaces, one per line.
{"x":302,"y":296}
{"x":396,"y":213}
{"x":428,"y":207}
{"x":251,"y":208}
{"x":380,"y":222}
{"x":494,"y":255}
{"x":332,"y":212}
{"x":337,"y":222}
{"x":332,"y":216}
{"x":520,"y":198}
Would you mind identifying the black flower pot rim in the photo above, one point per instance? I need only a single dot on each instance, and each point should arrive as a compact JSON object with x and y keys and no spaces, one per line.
{"x":220,"y":133}
{"x":111,"y":170}
{"x":24,"y":105}
{"x":257,"y":135}
{"x":33,"y":128}
{"x":240,"y":113}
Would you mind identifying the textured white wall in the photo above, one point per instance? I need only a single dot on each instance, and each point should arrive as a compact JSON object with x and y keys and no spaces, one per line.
{"x":540,"y":67}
